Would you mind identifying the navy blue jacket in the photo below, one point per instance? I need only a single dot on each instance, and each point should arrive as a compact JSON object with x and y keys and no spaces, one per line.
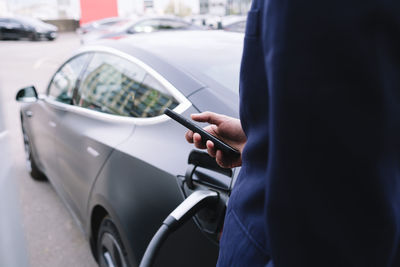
{"x":320,"y":105}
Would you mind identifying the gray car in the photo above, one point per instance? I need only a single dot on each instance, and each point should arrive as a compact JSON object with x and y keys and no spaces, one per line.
{"x":145,"y":24}
{"x":121,"y":166}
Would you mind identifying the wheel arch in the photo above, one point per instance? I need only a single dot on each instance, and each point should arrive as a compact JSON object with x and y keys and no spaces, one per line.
{"x":101,"y":208}
{"x":98,"y":214}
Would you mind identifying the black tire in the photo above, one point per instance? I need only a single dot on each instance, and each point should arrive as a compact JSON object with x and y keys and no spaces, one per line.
{"x":33,"y":169}
{"x":109,"y":247}
{"x":51,"y":38}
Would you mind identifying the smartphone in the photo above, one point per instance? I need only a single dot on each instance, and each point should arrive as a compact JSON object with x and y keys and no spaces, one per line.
{"x":220,"y":145}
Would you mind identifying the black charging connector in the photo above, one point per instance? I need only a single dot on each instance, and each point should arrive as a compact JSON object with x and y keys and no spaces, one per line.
{"x":187,"y":209}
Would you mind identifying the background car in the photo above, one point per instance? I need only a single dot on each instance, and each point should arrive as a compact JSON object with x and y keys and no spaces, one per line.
{"x":25,"y":27}
{"x":208,"y":21}
{"x":100,"y":24}
{"x":146,"y":24}
{"x":233,"y":23}
{"x":121,"y":166}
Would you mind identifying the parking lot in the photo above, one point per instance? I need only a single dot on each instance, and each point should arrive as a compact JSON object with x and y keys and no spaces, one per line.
{"x":51,"y":234}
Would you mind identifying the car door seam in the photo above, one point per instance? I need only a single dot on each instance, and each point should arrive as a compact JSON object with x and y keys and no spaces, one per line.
{"x":195,"y":91}
{"x":102,"y":167}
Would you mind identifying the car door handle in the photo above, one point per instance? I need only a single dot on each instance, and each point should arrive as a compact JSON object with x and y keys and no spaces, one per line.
{"x":92,"y":151}
{"x":52,"y":124}
{"x":29,"y":113}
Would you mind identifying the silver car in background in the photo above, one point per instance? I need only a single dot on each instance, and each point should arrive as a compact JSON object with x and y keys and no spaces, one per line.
{"x":99,"y":135}
{"x":144,"y":24}
{"x":100,"y":24}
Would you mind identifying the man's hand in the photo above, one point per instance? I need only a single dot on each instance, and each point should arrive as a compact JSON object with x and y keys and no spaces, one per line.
{"x":227,"y":129}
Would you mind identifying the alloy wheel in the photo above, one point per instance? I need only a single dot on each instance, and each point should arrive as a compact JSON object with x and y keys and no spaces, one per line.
{"x":111,"y":252}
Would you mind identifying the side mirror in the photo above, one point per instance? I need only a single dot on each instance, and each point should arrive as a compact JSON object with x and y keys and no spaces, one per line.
{"x":27,"y":94}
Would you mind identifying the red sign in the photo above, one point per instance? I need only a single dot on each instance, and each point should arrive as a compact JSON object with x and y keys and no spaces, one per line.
{"x":98,"y":9}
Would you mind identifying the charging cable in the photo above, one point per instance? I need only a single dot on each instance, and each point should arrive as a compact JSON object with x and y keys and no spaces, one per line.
{"x":187,"y":209}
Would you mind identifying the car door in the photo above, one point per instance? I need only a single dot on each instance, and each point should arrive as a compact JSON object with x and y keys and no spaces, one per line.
{"x":138,"y":183}
{"x":16,"y":29}
{"x":8,"y":28}
{"x":51,"y":111}
{"x":25,"y":29}
{"x":3,"y":28}
{"x":99,"y":121}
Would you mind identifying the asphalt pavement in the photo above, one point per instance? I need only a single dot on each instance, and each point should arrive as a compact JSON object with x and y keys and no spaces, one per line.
{"x":43,"y":231}
{"x":13,"y":250}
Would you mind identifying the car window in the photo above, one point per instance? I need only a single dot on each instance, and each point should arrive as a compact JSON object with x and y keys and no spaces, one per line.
{"x":167,"y":24}
{"x":117,"y":86}
{"x":13,"y":23}
{"x":153,"y":99}
{"x":64,"y":81}
{"x":109,"y":23}
{"x":150,"y":25}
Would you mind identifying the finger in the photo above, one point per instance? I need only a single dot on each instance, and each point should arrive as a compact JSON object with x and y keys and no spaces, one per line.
{"x":209,"y":117}
{"x":219,"y":158}
{"x":211,"y":149}
{"x":212,"y":129}
{"x":197,"y":141}
{"x":189,"y":136}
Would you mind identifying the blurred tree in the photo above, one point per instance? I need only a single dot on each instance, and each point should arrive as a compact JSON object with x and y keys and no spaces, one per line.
{"x":178,"y":8}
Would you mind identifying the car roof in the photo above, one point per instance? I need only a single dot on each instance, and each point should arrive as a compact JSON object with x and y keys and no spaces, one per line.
{"x":178,"y":44}
{"x":27,"y":20}
{"x":192,"y":51}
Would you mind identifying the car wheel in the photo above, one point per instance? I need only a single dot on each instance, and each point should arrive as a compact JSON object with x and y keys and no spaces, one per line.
{"x":51,"y":38}
{"x":110,"y":250}
{"x":33,"y":169}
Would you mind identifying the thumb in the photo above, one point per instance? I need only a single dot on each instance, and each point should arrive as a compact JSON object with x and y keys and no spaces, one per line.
{"x":210,"y":117}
